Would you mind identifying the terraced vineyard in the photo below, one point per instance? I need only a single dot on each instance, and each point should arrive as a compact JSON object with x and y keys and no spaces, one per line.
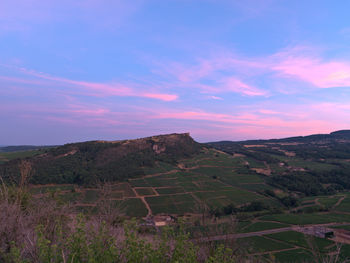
{"x":211,"y":178}
{"x":276,"y":190}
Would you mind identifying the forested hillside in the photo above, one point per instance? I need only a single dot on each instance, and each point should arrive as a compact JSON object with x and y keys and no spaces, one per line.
{"x":102,"y":161}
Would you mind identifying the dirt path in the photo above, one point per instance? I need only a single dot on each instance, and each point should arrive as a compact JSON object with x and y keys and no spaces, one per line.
{"x":147,"y":206}
{"x":302,"y":206}
{"x":208,"y":166}
{"x":155,"y":191}
{"x":159,"y":174}
{"x":339,"y":201}
{"x":274,"y":251}
{"x":242,"y":235}
{"x":149,"y":213}
{"x":292,"y":247}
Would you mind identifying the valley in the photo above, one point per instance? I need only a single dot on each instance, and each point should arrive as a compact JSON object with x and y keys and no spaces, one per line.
{"x":265,"y":193}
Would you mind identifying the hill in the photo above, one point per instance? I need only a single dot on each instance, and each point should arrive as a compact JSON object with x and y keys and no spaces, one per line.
{"x":336,"y":136}
{"x":174,"y":174}
{"x":90,"y":162}
{"x":315,"y":164}
{"x":273,"y":188}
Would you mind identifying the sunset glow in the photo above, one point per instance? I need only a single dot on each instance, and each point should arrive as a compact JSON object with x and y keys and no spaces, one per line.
{"x":221,"y":70}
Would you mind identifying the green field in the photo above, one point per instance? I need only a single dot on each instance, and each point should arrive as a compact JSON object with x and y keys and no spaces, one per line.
{"x":255,"y":187}
{"x":294,"y":238}
{"x":160,"y":167}
{"x":145,"y":191}
{"x":304,"y":219}
{"x":214,"y":171}
{"x":301,"y":240}
{"x":344,"y":206}
{"x":328,"y":202}
{"x":172,"y":204}
{"x":260,"y":226}
{"x":123,"y":188}
{"x":235,"y":196}
{"x":216,"y":180}
{"x":253,"y":163}
{"x":241,"y":179}
{"x":115,"y":195}
{"x":294,"y":256}
{"x":170,"y":190}
{"x":91,"y":196}
{"x":133,"y":207}
{"x":262,"y":244}
{"x":310,"y":165}
{"x":139,"y":183}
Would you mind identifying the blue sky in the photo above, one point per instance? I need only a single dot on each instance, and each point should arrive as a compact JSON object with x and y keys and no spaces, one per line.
{"x":86,"y":70}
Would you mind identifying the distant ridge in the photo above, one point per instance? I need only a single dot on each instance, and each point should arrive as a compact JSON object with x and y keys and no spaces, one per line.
{"x":341,"y":134}
{"x":18,"y":148}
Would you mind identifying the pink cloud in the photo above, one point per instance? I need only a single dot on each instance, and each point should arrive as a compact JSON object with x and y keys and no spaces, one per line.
{"x":236,"y":85}
{"x":260,"y":123}
{"x":215,"y":98}
{"x":230,"y":84}
{"x":95,"y":89}
{"x":282,"y":72}
{"x":253,"y":123}
{"x":87,"y":112}
{"x":265,"y":111}
{"x":221,"y":74}
{"x":300,"y":64}
{"x":164,"y":97}
{"x":77,"y":115}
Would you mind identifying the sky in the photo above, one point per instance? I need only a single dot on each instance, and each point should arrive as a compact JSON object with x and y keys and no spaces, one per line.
{"x":221,"y":70}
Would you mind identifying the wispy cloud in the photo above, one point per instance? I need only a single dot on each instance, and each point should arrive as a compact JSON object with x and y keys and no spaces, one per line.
{"x":92,"y":88}
{"x":218,"y":75}
{"x":256,"y":76}
{"x":214,"y":78}
{"x":236,"y":85}
{"x":278,"y":121}
{"x":215,"y":98}
{"x":301,"y":64}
